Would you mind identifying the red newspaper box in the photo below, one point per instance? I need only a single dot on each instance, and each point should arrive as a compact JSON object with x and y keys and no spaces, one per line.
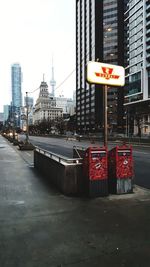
{"x":95,"y":171}
{"x":120,"y":170}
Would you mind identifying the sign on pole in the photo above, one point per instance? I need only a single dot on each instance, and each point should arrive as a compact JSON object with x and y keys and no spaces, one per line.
{"x":107,"y":74}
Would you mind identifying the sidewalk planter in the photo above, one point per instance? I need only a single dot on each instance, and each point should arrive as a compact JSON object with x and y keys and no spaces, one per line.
{"x":15,"y":142}
{"x":10,"y":139}
{"x":67,"y":177}
{"x":120,"y":170}
{"x":95,"y":172}
{"x":26,"y":146}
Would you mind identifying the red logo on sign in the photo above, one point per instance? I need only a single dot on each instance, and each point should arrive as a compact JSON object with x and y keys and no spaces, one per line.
{"x":107,"y":74}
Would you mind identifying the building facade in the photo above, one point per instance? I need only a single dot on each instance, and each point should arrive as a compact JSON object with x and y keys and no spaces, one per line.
{"x":1,"y":120}
{"x":28,"y":101}
{"x":137,"y":91}
{"x":89,"y":46}
{"x":98,"y":25}
{"x":45,"y":107}
{"x":6,"y":111}
{"x":113,"y":53}
{"x":28,"y":107}
{"x":66,"y":104}
{"x":1,"y":117}
{"x":16,"y":82}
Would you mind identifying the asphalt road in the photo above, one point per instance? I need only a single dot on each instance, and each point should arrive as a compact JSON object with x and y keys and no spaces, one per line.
{"x":142,"y":166}
{"x":64,"y":147}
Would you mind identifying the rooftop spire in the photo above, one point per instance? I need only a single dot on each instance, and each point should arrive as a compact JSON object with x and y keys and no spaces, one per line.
{"x":52,"y":81}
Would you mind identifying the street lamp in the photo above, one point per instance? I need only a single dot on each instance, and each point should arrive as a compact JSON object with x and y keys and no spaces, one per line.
{"x":15,"y":117}
{"x":27,"y":121}
{"x":127,"y":122}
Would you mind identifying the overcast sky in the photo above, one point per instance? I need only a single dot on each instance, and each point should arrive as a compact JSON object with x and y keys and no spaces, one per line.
{"x":32,"y":31}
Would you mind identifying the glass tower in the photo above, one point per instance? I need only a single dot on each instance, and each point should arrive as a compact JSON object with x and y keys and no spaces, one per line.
{"x":89,"y":47}
{"x":137,"y":90}
{"x":16,"y":80}
{"x":113,"y":48}
{"x":99,"y":37}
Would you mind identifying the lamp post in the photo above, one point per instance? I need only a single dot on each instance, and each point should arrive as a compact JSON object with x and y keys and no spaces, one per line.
{"x":127,"y":123}
{"x":27,"y":116}
{"x":13,"y":124}
{"x":15,"y":117}
{"x":105,"y":117}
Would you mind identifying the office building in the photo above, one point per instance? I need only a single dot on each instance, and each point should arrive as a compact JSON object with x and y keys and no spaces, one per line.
{"x":16,"y":81}
{"x":113,"y":53}
{"x":1,"y":120}
{"x":6,"y":111}
{"x":28,"y":101}
{"x":28,"y":105}
{"x":99,"y":37}
{"x":1,"y":117}
{"x":66,"y":104}
{"x":137,"y":91}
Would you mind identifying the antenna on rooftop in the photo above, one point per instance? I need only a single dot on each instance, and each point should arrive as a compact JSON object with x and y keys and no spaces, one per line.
{"x":52,"y":81}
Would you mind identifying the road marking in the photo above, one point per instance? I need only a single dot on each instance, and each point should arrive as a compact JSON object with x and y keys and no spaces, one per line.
{"x":140,"y":152}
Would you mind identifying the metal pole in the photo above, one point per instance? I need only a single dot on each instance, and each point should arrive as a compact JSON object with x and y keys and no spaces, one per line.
{"x":27,"y":125}
{"x":13,"y":123}
{"x":128,"y":124}
{"x":105,"y":117}
{"x":126,"y":129}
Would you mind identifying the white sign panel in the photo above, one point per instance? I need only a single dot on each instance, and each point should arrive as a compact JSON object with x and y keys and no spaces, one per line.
{"x":102,"y":73}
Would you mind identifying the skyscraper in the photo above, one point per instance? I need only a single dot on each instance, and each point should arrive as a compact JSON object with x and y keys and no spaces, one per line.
{"x":6,"y":111}
{"x":28,"y":101}
{"x":89,"y":46}
{"x":113,"y":53}
{"x":16,"y":80}
{"x":137,"y":99}
{"x":99,"y":37}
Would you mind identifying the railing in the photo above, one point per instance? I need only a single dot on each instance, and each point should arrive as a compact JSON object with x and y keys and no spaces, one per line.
{"x":76,"y":148}
{"x":59,"y":158}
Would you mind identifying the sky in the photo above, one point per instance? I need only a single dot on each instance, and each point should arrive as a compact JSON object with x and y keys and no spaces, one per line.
{"x":32,"y":33}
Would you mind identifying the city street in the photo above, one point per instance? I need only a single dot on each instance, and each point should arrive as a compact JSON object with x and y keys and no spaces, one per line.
{"x":64,"y":147}
{"x":40,"y":227}
{"x":75,"y":133}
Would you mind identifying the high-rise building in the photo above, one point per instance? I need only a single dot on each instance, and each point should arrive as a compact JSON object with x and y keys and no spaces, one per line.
{"x":28,"y":101}
{"x":137,"y":98}
{"x":1,"y":117}
{"x":113,"y":53}
{"x":28,"y":105}
{"x":89,"y":46}
{"x":99,"y":37}
{"x":6,"y":111}
{"x":16,"y":81}
{"x":1,"y":120}
{"x":66,"y":104}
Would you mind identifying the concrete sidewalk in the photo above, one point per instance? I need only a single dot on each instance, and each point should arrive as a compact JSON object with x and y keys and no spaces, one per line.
{"x":39,"y":227}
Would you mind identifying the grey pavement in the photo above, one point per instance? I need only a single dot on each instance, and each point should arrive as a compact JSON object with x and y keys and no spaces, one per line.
{"x":40,"y":227}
